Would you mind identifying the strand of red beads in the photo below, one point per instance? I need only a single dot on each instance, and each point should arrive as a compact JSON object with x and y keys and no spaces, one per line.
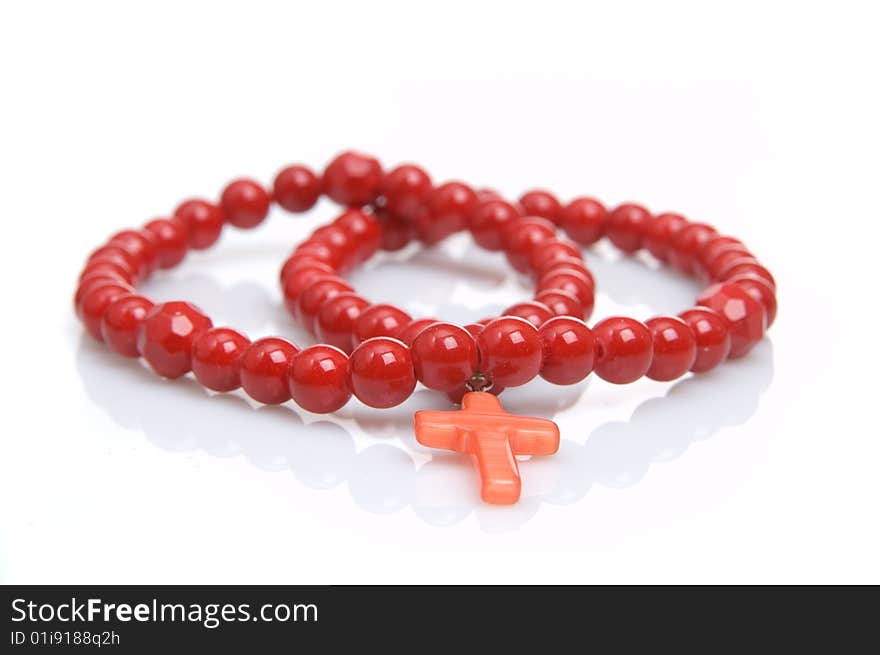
{"x":378,"y":353}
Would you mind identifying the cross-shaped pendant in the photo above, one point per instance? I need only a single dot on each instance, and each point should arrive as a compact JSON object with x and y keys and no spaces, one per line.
{"x":495,"y":437}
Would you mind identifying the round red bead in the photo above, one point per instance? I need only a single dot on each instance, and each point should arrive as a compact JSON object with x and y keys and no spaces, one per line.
{"x":141,"y":245}
{"x":511,"y":351}
{"x":363,"y":229}
{"x":539,"y":202}
{"x":353,"y":178}
{"x":95,"y":303}
{"x":121,"y":321}
{"x":627,"y":225}
{"x":118,"y":257}
{"x":584,"y":220}
{"x":203,"y":220}
{"x":660,"y":232}
{"x":748,"y":266}
{"x":166,"y":335}
{"x":675,"y":348}
{"x":380,"y":321}
{"x":623,"y":349}
{"x":314,"y":296}
{"x":546,"y":253}
{"x":380,"y":372}
{"x":265,"y":368}
{"x":335,"y":321}
{"x":172,"y":240}
{"x":318,"y":379}
{"x":405,"y":190}
{"x":444,"y":356}
{"x":712,"y":336}
{"x":533,"y":311}
{"x":561,"y":303}
{"x":520,"y":237}
{"x":107,"y":270}
{"x":685,"y":245}
{"x":760,"y":291}
{"x":413,"y":328}
{"x":296,"y":188}
{"x":745,"y":315}
{"x":446,"y":212}
{"x":216,"y":358}
{"x":396,"y":233}
{"x":299,"y":279}
{"x":91,"y":282}
{"x":570,"y":281}
{"x":488,"y":220}
{"x":245,"y":203}
{"x":569,"y":350}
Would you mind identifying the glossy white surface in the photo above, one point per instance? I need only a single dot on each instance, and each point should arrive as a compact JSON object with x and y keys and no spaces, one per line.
{"x":762,"y":122}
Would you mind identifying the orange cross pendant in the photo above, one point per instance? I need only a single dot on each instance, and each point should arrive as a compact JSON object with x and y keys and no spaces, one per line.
{"x":483,"y":429}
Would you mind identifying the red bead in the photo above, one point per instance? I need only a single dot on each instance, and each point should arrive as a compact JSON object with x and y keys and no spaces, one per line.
{"x":660,"y":232}
{"x":364,"y":231}
{"x":298,"y":280}
{"x":380,"y":321}
{"x":318,"y":379}
{"x":245,"y":203}
{"x":92,"y":282}
{"x":745,"y":315}
{"x":141,"y":245}
{"x":121,"y":321}
{"x":545,"y":253}
{"x":568,"y":263}
{"x":296,"y":262}
{"x":712,"y":337}
{"x":412,"y":330}
{"x":474,"y":329}
{"x":623,"y":349}
{"x":723,"y":261}
{"x":335,"y":321}
{"x":569,"y":350}
{"x":685,"y":245}
{"x":444,"y":356}
{"x":675,"y":348}
{"x":584,"y":220}
{"x":203,"y":220}
{"x":172,"y":239}
{"x":166,"y":335}
{"x":718,"y":248}
{"x":511,"y":351}
{"x":488,"y":220}
{"x":750,"y":267}
{"x":396,"y":234}
{"x":106,"y":269}
{"x":570,"y":281}
{"x":627,"y":225}
{"x":296,"y":188}
{"x":216,"y":358}
{"x":540,"y":203}
{"x":353,"y":178}
{"x":520,"y":237}
{"x":380,"y":372}
{"x":561,"y":303}
{"x":338,"y":240}
{"x":760,"y":291}
{"x":314,"y":296}
{"x":533,"y":311}
{"x":265,"y":370}
{"x":448,"y":208}
{"x":95,"y":303}
{"x":320,"y":251}
{"x":405,"y":190}
{"x":117,"y":256}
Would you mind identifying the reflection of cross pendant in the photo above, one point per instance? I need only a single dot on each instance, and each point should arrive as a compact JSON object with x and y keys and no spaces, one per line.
{"x":483,"y":429}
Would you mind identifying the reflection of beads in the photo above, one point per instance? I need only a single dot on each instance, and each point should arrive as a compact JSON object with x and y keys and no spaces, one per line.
{"x":390,"y":351}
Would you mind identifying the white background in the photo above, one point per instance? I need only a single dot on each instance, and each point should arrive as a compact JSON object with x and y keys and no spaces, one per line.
{"x":760,"y":118}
